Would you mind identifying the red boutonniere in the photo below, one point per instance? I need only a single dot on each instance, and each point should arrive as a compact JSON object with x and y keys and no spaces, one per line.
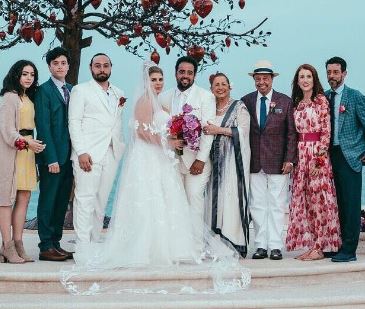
{"x":21,"y":144}
{"x":272,"y":106}
{"x":122,"y":101}
{"x":342,"y":109}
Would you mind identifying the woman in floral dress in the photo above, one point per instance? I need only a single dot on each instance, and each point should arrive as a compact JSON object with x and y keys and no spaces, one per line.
{"x":313,"y":218}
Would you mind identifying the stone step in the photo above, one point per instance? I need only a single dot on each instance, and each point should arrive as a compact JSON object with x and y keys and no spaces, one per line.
{"x":328,"y":294}
{"x":288,"y":283}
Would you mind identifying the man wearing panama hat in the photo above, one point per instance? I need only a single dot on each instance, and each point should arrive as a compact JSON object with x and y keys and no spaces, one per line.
{"x":273,"y":144}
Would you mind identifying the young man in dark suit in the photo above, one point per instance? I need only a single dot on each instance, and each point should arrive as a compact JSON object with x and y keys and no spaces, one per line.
{"x":347,"y":151}
{"x":273,"y":142}
{"x":55,"y":169}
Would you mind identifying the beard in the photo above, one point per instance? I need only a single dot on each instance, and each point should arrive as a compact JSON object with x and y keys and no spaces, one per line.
{"x":335,"y":83}
{"x":182,"y":86}
{"x":102,"y":77}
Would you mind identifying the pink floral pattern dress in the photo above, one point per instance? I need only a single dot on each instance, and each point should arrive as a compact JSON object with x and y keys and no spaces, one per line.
{"x":313,"y":216}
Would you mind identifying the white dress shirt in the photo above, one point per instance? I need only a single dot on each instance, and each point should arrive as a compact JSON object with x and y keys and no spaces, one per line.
{"x":59,"y":84}
{"x":258,"y":103}
{"x":338,"y":98}
{"x":179,"y":100}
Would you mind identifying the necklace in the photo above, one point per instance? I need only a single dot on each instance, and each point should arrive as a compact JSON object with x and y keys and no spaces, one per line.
{"x":219,"y":110}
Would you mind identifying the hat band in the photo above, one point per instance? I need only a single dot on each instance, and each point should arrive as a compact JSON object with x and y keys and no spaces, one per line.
{"x":263,"y":70}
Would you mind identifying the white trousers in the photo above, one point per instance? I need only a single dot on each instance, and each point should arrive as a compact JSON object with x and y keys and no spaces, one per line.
{"x":268,"y":203}
{"x":195,"y":186}
{"x":92,"y":190}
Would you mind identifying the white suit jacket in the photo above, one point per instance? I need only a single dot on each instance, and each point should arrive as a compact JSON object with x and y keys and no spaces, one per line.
{"x":204,"y":107}
{"x":93,"y":124}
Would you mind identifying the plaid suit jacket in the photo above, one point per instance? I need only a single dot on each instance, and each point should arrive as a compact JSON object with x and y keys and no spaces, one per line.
{"x":351,"y":124}
{"x":277,"y":142}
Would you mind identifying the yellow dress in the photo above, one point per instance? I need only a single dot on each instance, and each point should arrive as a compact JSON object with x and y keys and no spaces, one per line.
{"x":26,"y":176}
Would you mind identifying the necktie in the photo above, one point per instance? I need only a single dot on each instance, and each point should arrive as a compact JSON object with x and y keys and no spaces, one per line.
{"x":263,"y":112}
{"x":332,"y":114}
{"x":66,"y":94}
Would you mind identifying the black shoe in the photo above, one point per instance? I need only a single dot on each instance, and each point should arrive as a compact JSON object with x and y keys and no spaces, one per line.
{"x":260,"y":254}
{"x":344,"y":257}
{"x":329,"y":254}
{"x":275,"y":254}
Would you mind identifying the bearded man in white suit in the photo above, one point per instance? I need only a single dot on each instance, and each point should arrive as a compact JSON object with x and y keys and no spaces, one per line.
{"x":97,"y":145}
{"x":195,"y":166}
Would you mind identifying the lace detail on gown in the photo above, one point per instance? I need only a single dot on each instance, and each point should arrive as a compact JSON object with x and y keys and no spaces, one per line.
{"x":151,"y":237}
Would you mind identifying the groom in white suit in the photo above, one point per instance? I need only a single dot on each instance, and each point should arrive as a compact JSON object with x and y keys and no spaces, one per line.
{"x":195,"y":166}
{"x":97,"y":145}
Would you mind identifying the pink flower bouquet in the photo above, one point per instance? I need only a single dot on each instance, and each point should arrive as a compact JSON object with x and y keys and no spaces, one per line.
{"x":187,"y":127}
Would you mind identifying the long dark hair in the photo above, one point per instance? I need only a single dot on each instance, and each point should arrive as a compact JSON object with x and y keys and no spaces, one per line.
{"x":11,"y":82}
{"x":297,"y":93}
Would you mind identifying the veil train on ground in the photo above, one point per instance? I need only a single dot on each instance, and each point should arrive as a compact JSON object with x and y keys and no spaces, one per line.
{"x":150,"y":246}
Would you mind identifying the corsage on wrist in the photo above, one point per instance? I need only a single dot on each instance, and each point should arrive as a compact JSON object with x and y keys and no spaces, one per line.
{"x":21,"y":144}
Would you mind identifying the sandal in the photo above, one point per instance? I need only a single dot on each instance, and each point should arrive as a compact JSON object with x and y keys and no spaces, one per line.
{"x":314,"y":255}
{"x":303,"y":255}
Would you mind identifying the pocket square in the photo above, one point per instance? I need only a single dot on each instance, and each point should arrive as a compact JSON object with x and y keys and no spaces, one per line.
{"x":278,"y":111}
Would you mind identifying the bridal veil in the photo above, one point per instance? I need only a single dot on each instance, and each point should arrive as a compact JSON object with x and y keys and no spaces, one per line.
{"x":150,"y":246}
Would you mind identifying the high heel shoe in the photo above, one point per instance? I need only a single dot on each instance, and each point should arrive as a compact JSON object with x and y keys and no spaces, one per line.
{"x":10,"y":254}
{"x":21,"y":252}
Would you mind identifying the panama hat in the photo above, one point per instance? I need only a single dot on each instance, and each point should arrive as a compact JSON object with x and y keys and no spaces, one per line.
{"x":263,"y":67}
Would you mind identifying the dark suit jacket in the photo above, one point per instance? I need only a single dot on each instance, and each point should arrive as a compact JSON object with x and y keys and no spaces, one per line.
{"x":277,"y":142}
{"x":51,"y":119}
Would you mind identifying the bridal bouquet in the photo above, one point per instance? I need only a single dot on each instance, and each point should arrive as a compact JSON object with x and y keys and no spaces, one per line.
{"x":187,"y":127}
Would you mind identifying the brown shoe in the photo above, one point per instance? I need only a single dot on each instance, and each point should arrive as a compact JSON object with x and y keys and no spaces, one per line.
{"x":52,"y":255}
{"x":67,"y":253}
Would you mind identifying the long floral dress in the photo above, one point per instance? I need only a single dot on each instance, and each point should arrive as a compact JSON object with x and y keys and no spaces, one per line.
{"x":313,"y":216}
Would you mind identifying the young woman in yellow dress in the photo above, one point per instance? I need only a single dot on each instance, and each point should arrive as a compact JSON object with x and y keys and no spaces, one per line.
{"x":17,"y":147}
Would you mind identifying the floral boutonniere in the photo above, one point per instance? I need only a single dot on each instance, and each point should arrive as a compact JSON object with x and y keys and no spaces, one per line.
{"x":272,"y":106}
{"x":122,"y":101}
{"x":342,"y":109}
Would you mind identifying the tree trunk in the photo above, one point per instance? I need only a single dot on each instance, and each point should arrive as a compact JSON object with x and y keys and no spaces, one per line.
{"x":72,"y":40}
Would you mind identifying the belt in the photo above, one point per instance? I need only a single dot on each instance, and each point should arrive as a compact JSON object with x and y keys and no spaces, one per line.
{"x":309,"y":137}
{"x":25,"y":132}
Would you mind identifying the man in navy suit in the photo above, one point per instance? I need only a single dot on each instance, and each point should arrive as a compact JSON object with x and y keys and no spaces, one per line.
{"x":347,"y":153}
{"x":54,"y":164}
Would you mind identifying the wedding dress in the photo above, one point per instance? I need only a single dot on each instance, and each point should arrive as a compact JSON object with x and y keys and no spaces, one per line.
{"x":151,"y":227}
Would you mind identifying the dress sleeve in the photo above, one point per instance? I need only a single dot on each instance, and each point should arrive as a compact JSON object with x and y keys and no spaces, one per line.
{"x":243,"y":121}
{"x":325,"y":123}
{"x":145,"y":128}
{"x":8,"y":125}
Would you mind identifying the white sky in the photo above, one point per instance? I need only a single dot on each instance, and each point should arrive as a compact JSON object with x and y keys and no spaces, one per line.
{"x":308,"y":31}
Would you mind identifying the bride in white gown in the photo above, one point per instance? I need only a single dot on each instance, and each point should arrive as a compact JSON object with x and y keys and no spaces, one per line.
{"x":151,"y":225}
